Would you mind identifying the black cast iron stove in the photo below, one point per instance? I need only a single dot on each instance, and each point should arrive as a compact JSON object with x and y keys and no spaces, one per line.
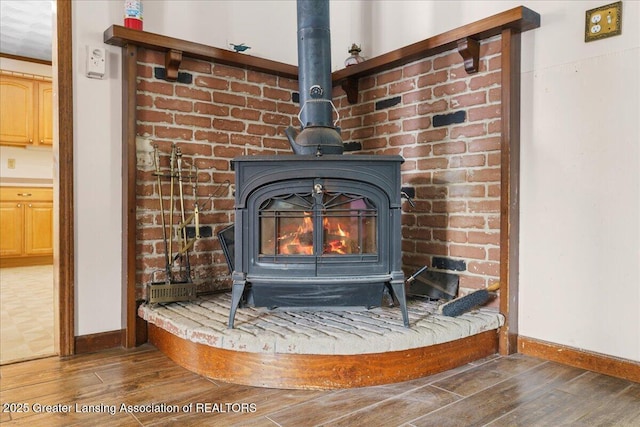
{"x":318,"y":229}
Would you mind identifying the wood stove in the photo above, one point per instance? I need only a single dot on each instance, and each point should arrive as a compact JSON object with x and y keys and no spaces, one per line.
{"x":317,"y":232}
{"x":317,"y":229}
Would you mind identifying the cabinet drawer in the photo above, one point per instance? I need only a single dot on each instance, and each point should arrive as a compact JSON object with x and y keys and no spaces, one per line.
{"x":26,"y":193}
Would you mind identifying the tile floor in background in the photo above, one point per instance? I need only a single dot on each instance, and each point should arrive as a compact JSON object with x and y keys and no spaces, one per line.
{"x":26,"y":313}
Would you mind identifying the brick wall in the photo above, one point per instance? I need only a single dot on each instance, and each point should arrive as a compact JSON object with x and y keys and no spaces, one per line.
{"x":444,"y":122}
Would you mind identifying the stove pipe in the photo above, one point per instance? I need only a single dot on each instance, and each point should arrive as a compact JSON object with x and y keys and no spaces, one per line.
{"x":319,"y":135}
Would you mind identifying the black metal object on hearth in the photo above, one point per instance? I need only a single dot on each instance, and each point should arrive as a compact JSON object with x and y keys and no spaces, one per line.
{"x":318,"y":229}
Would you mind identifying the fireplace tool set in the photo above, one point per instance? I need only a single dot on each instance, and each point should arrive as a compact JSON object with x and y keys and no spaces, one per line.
{"x":177,"y":284}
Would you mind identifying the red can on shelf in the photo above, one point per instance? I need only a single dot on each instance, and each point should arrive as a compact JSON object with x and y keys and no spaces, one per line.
{"x":133,"y":14}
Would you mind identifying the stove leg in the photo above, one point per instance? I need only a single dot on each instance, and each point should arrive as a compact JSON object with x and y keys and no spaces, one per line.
{"x":236,"y":296}
{"x":399,"y":294}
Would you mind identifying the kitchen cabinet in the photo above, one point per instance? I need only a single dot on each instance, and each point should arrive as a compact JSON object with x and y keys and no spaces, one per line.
{"x":26,"y":111}
{"x":26,"y":225}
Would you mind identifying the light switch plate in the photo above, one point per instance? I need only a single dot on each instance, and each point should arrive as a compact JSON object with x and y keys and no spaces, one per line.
{"x":603,"y":21}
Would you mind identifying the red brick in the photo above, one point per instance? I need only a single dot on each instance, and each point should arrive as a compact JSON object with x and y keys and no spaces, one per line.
{"x":414,"y":69}
{"x":276,"y":144}
{"x":493,"y":190}
{"x":401,"y":87}
{"x":366,"y":83}
{"x":448,"y":206}
{"x":199,"y":121}
{"x":143,"y":100}
{"x":196,"y":66}
{"x":362,"y":108}
{"x":409,"y":125}
{"x":402,"y":112}
{"x":490,"y":47}
{"x":493,"y":223}
{"x":210,"y":109}
{"x":467,"y":131}
{"x":402,"y":139}
{"x":452,"y":147}
{"x":386,"y":129}
{"x":262,"y":78}
{"x":365,"y":132}
{"x":286,"y":108}
{"x":350,"y":123}
{"x":457,"y":73}
{"x":174,"y":104}
{"x":431,"y":248}
{"x":273,"y":93}
{"x":377,"y":117}
{"x":494,"y":127}
{"x":494,"y":159}
{"x":151,"y":56}
{"x":226,"y":71}
{"x":484,"y":206}
{"x":219,"y":137}
{"x":418,"y":151}
{"x":467,"y":251}
{"x":290,"y":84}
{"x":144,"y":71}
{"x":228,"y":125}
{"x":473,"y":282}
{"x":246,"y":140}
{"x":407,"y":165}
{"x":417,"y":96}
{"x":449,"y":177}
{"x":493,"y":254}
{"x":469,"y":99}
{"x":387,"y":77}
{"x":372,"y":143}
{"x":261,"y":104}
{"x":484,"y":238}
{"x":438,"y":106}
{"x":485,"y":80}
{"x":447,"y":60}
{"x":432,"y":163}
{"x":155,"y":87}
{"x":431,"y":192}
{"x":154,"y":116}
{"x":494,"y":64}
{"x":432,"y":135}
{"x":227,"y":98}
{"x":187,"y":92}
{"x":483,"y":113}
{"x":420,"y":233}
{"x":434,"y":78}
{"x":484,"y":175}
{"x":227,"y":152}
{"x":486,"y":268}
{"x":373,"y":94}
{"x":467,"y":161}
{"x":448,"y":235}
{"x":464,"y":221}
{"x":254,"y":129}
{"x":143,"y":130}
{"x":193,"y":149}
{"x":484,"y":144}
{"x":212,"y":82}
{"x":495,"y":94}
{"x":249,"y":89}
{"x":449,"y":89}
{"x":173,"y":133}
{"x":245,"y":114}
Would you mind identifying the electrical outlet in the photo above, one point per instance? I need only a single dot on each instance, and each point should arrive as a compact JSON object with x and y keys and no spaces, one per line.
{"x":11,"y":163}
{"x":603,"y":21}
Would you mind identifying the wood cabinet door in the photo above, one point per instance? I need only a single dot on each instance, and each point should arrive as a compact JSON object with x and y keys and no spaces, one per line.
{"x":45,"y":113}
{"x":11,"y":228}
{"x":16,"y":110}
{"x":38,"y":219}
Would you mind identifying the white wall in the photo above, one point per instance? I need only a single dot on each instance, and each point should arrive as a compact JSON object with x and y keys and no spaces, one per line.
{"x":580,"y":280}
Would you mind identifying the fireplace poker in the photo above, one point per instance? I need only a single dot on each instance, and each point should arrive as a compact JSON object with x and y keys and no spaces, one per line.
{"x":172,"y":162}
{"x":183,"y":226}
{"x":156,"y":158}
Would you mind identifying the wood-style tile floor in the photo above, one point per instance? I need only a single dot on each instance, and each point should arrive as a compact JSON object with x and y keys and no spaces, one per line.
{"x":26,"y":313}
{"x":104,"y":388}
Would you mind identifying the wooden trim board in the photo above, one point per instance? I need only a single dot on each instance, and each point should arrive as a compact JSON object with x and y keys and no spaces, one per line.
{"x":308,"y":371}
{"x":596,"y":362}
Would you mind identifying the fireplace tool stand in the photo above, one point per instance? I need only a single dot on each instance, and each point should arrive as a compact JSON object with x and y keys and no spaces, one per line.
{"x":177,"y":284}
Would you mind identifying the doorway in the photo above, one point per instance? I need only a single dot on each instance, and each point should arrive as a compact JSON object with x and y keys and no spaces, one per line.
{"x":63,"y":258}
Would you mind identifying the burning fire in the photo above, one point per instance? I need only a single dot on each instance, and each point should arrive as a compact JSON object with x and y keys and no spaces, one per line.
{"x":300,"y":242}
